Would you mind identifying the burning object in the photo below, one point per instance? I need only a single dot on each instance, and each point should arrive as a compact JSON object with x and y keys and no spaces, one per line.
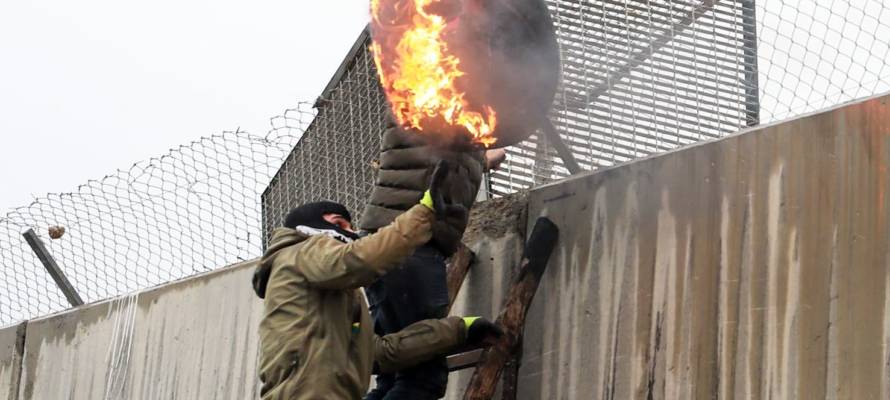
{"x":482,"y":70}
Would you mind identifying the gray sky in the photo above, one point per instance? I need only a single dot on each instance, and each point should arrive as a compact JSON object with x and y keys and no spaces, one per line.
{"x":91,"y":86}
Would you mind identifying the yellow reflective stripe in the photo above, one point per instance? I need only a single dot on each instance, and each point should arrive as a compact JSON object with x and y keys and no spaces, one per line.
{"x":427,"y":200}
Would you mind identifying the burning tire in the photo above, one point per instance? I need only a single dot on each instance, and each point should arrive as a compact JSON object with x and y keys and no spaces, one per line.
{"x":487,"y":70}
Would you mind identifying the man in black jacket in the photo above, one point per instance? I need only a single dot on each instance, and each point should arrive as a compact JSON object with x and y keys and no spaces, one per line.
{"x":418,"y":289}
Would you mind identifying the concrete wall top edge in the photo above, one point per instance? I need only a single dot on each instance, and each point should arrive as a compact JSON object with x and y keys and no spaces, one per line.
{"x":714,"y":142}
{"x":181,"y":283}
{"x":193,"y":338}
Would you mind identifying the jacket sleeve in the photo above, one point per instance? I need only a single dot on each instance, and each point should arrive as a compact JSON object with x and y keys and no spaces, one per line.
{"x":418,"y":342}
{"x":330,"y":264}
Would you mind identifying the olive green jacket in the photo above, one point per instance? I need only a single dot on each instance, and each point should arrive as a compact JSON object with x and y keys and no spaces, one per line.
{"x":406,"y":163}
{"x":309,"y":348}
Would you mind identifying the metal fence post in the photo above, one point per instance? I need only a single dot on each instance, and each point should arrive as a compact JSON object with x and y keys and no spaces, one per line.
{"x":52,"y":267}
{"x":752,"y":79}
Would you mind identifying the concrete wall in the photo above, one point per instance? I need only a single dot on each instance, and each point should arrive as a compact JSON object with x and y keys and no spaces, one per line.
{"x":193,"y":339}
{"x":12,"y":341}
{"x":755,"y":267}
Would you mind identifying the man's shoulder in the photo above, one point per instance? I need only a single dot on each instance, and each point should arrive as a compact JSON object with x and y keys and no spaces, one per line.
{"x":397,"y":138}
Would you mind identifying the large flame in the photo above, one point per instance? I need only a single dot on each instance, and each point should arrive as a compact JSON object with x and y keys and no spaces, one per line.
{"x":420,"y":75}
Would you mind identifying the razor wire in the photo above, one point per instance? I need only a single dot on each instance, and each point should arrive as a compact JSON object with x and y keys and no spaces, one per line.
{"x":194,"y":209}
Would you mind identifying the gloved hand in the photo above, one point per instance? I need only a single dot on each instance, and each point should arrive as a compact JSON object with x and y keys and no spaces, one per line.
{"x":481,"y":332}
{"x":435,"y":197}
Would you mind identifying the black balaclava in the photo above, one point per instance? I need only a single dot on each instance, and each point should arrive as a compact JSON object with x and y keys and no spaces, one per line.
{"x":309,"y":219}
{"x":312,"y":215}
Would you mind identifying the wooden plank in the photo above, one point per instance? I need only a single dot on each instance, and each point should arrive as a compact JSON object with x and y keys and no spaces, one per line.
{"x":512,"y":318}
{"x":465,"y":360}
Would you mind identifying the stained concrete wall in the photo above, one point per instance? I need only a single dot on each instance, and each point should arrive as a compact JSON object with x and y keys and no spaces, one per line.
{"x":12,"y":341}
{"x":193,"y":339}
{"x":755,"y":267}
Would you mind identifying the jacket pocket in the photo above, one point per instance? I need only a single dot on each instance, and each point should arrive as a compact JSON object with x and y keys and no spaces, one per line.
{"x":292,"y":366}
{"x":282,"y":375}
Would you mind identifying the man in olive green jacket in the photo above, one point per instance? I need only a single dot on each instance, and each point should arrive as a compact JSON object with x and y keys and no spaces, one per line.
{"x":317,"y":339}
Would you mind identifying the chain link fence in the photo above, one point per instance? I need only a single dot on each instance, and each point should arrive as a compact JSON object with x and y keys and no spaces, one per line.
{"x":639,"y":77}
{"x":815,"y":54}
{"x":195,"y":209}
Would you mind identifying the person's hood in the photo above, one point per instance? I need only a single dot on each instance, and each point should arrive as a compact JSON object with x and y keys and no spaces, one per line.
{"x":281,"y":238}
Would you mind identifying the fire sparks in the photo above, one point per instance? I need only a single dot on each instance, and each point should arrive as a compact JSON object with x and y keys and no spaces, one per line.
{"x":420,"y":75}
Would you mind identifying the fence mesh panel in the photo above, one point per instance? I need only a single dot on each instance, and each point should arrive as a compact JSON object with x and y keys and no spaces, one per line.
{"x":335,"y":160}
{"x":639,"y":77}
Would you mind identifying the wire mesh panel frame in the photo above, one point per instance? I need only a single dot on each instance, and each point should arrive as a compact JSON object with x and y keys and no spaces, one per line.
{"x":336,"y":157}
{"x":620,"y":98}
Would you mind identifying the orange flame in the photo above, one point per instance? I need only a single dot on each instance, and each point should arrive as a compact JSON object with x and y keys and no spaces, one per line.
{"x":419,"y":73}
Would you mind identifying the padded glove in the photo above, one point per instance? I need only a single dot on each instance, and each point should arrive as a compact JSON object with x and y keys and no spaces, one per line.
{"x":482,"y":332}
{"x":436,"y":197}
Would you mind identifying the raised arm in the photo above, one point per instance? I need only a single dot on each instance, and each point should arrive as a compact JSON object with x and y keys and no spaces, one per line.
{"x":328,"y":263}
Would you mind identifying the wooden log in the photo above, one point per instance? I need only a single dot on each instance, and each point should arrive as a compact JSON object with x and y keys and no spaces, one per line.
{"x":457,"y":269}
{"x":511,"y":374}
{"x":512,"y":318}
{"x":465,"y":360}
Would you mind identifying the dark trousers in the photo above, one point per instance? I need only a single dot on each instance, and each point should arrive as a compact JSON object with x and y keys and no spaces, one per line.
{"x":415,"y":291}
